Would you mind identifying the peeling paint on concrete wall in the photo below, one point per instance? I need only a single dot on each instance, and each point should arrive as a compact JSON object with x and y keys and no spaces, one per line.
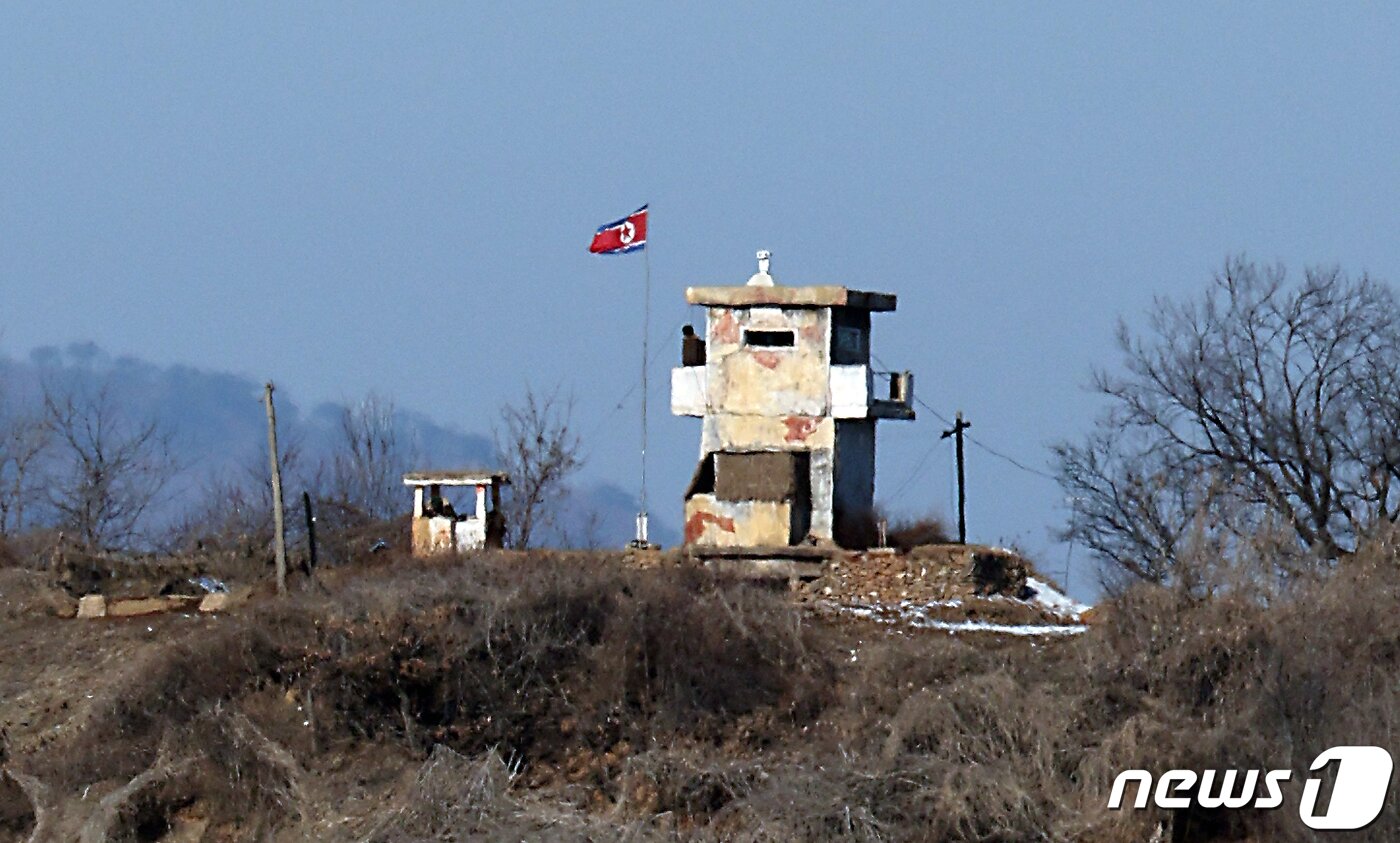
{"x":761,"y":433}
{"x":738,"y":523}
{"x":764,"y":381}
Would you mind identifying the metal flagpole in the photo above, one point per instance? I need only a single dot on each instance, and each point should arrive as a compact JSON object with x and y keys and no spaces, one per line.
{"x":641,"y":540}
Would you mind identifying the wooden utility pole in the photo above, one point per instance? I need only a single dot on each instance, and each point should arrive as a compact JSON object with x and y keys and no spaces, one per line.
{"x":310,"y":533}
{"x":957,"y":433}
{"x":279,"y":529}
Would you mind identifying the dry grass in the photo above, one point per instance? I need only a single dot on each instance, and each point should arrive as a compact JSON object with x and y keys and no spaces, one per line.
{"x":570,"y":697}
{"x":907,"y":534}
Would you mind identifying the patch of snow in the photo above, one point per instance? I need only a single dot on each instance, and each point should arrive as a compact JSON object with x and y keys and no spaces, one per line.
{"x":916,"y":616}
{"x":1007,"y":628}
{"x":907,"y":605}
{"x":1055,"y":600}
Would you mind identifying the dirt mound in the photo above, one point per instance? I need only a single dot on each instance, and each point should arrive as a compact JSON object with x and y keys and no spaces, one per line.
{"x":24,"y":593}
{"x":948,"y":588}
{"x":926,"y":573}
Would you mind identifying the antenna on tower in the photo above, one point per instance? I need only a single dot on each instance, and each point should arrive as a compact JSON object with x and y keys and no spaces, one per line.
{"x":763,"y":278}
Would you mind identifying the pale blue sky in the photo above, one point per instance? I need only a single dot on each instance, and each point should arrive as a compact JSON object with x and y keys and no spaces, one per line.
{"x":399,"y":197}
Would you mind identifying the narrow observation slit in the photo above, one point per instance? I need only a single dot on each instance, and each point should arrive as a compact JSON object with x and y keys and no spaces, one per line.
{"x":769,"y":339}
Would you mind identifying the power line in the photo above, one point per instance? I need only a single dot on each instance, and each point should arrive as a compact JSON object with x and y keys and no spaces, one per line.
{"x":914,"y":472}
{"x":1037,"y":472}
{"x":989,"y":449}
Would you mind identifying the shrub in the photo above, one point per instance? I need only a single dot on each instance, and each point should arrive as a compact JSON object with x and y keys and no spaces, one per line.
{"x":911,"y":533}
{"x":567,"y":695}
{"x":543,"y":657}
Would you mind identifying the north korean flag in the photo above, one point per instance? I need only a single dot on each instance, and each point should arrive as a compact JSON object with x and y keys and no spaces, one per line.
{"x":622,"y":236}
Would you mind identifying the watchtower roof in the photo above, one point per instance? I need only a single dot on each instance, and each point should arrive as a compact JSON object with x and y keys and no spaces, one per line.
{"x":816,"y":296}
{"x":457,"y":477}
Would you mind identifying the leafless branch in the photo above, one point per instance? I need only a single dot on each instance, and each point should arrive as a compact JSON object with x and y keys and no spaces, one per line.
{"x":24,"y":440}
{"x":540,"y":451}
{"x":1276,"y":398}
{"x":370,"y":458}
{"x":109,"y":469}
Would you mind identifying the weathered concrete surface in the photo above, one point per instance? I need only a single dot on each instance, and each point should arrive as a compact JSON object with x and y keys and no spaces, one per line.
{"x":750,"y":380}
{"x":439,"y":535}
{"x":689,"y":395}
{"x":217,"y":602}
{"x":92,"y":606}
{"x":775,"y":567}
{"x":137,"y":606}
{"x":757,"y":433}
{"x":782,"y":365}
{"x":100,"y":606}
{"x":761,"y":476}
{"x":469,"y":533}
{"x":419,"y":535}
{"x":737,"y":523}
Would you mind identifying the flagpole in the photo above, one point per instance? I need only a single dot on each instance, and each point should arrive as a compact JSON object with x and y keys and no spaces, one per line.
{"x":642,"y":540}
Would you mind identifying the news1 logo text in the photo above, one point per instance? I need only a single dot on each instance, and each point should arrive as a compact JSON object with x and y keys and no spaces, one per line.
{"x":1358,"y":791}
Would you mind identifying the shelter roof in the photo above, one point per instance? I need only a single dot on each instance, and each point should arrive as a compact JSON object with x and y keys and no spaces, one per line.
{"x":456,"y":477}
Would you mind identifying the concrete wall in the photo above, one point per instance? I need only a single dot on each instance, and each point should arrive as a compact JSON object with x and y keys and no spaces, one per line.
{"x":720,"y":432}
{"x":441,"y":535}
{"x":854,"y":477}
{"x":749,"y":380}
{"x":850,"y":336}
{"x":737,"y":523}
{"x":778,"y":398}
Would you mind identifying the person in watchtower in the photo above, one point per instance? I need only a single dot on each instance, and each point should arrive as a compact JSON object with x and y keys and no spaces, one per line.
{"x":692,"y":348}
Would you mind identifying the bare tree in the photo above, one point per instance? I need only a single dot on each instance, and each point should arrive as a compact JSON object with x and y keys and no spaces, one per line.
{"x":1276,"y":401}
{"x":24,"y":438}
{"x":108,"y":468}
{"x":540,"y":451}
{"x":370,"y":459}
{"x":233,"y":508}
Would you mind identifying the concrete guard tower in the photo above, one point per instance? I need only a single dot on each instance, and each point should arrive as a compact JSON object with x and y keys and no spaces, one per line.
{"x":789,"y":401}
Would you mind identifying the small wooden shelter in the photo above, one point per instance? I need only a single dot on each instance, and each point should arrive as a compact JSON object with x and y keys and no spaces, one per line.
{"x":439,"y":528}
